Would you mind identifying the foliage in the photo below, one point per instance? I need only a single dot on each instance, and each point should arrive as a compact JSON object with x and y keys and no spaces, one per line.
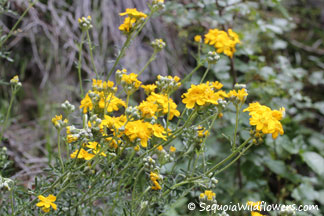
{"x":121,"y":157}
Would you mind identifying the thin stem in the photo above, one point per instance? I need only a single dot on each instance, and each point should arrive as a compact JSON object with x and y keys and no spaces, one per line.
{"x":148,"y":62}
{"x":12,"y":201}
{"x":59,"y":148}
{"x":127,"y":43}
{"x":233,"y":161}
{"x":91,"y":55}
{"x":236,"y":126}
{"x":80,"y":63}
{"x":205,"y":74}
{"x":184,"y":80}
{"x":233,"y":71}
{"x":4,"y":126}
{"x":17,"y":23}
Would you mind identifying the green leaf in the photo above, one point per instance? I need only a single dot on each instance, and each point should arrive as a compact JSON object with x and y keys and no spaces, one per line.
{"x":281,"y":169}
{"x":314,"y":161}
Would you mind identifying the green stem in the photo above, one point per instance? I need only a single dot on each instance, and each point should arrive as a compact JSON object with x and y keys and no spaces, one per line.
{"x":233,"y":161}
{"x":127,"y":43}
{"x":91,"y":55}
{"x":12,"y":201}
{"x":59,"y":148}
{"x":17,"y":23}
{"x":205,"y":74}
{"x":4,"y":126}
{"x":191,"y":180}
{"x":148,"y":62}
{"x":184,"y":80}
{"x":121,"y":53}
{"x":80,"y":63}
{"x":236,"y":126}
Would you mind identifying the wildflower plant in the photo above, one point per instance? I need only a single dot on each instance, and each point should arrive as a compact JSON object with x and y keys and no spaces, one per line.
{"x":121,"y":156}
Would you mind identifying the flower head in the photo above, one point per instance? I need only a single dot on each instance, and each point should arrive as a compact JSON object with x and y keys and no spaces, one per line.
{"x":265,"y":120}
{"x":47,"y":202}
{"x":86,"y":104}
{"x":202,"y":94}
{"x":224,"y":42}
{"x":198,"y":38}
{"x":132,"y":12}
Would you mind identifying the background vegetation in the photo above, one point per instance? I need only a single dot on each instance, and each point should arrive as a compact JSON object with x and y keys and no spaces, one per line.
{"x":281,"y":59}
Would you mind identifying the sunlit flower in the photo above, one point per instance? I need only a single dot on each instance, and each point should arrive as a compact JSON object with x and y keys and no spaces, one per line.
{"x":86,"y":104}
{"x":138,"y":130}
{"x":128,"y":25}
{"x":149,"y":88}
{"x":224,"y":42}
{"x":132,"y":12}
{"x":265,"y":119}
{"x":164,"y":104}
{"x":240,"y":94}
{"x":83,"y":154}
{"x":201,"y":95}
{"x":148,"y":109}
{"x":47,"y":202}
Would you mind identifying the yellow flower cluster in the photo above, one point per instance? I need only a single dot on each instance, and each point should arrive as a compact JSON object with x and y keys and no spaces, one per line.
{"x":84,"y":154}
{"x":102,"y":97}
{"x":208,"y":195}
{"x":58,"y":121}
{"x":224,"y":42}
{"x":203,"y":94}
{"x":240,"y":94}
{"x":143,"y":131}
{"x":47,"y":202}
{"x":154,"y":178}
{"x":133,"y":17}
{"x":266,"y":120}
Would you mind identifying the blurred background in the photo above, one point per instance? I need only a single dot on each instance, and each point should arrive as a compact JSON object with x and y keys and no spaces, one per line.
{"x":281,"y":59}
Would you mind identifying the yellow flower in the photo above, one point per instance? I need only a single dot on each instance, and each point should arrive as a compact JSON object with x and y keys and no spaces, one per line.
{"x":217,"y":85}
{"x":113,"y":122}
{"x":163,"y":104}
{"x":95,"y":148}
{"x":209,"y":195}
{"x":160,"y":148}
{"x":71,"y":138}
{"x":113,"y":103}
{"x":133,"y":13}
{"x":83,"y":154}
{"x":138,"y":129}
{"x":86,"y":104}
{"x":154,"y":178}
{"x":158,"y":131}
{"x":172,"y":149}
{"x":137,"y":148}
{"x":265,"y":119}
{"x":131,"y":81}
{"x":148,"y":109}
{"x":223,"y":42}
{"x":128,"y":25}
{"x":47,"y":202}
{"x":240,"y":94}
{"x":201,"y":95}
{"x":56,"y":120}
{"x":14,"y":79}
{"x":198,"y":38}
{"x":149,"y":88}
